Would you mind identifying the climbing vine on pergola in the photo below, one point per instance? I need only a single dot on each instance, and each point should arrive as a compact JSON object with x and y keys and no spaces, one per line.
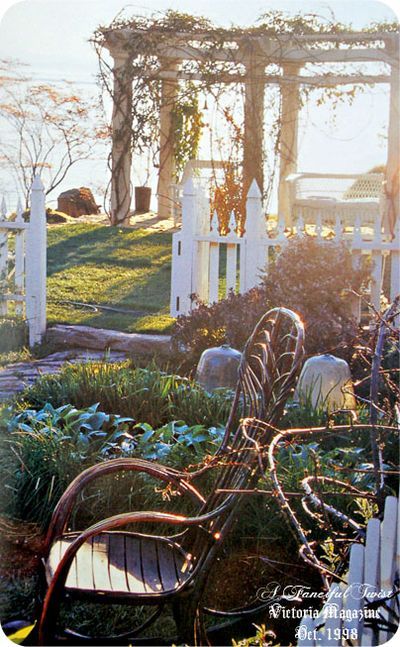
{"x":162,"y":63}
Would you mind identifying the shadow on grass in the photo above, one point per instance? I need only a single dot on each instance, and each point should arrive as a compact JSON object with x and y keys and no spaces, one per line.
{"x":73,"y":245}
{"x":101,"y":265}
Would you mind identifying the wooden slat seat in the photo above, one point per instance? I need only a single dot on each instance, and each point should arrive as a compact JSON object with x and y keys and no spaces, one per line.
{"x":122,"y":564}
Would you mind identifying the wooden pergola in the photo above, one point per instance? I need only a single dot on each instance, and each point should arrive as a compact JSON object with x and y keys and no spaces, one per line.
{"x":253,"y":54}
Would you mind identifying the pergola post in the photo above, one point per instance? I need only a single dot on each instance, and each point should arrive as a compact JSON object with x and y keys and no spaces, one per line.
{"x":288,"y":143}
{"x":253,"y":138}
{"x":121,"y":156}
{"x":169,"y":91}
{"x":392,"y":206}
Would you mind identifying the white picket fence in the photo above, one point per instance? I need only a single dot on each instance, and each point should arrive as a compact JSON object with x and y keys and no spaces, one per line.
{"x":196,"y":250}
{"x":369,"y":593}
{"x":23,"y":264}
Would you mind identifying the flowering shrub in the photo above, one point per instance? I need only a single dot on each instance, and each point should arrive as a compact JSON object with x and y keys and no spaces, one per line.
{"x":228,"y":198}
{"x":317,"y":280}
{"x":230,"y":320}
{"x":313,"y":278}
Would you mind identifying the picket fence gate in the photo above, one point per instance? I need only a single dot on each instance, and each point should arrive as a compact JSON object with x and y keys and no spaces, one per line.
{"x":363,"y":610}
{"x":197,"y":258}
{"x":23,"y":263}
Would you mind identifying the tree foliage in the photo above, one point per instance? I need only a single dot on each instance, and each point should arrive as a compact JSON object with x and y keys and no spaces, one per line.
{"x":45,"y":129}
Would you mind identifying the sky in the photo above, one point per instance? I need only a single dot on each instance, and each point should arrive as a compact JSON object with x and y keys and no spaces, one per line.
{"x":53,"y":37}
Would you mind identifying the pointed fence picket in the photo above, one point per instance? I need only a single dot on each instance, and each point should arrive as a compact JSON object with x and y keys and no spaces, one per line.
{"x":23,"y":263}
{"x":197,"y":250}
{"x":364,"y":608}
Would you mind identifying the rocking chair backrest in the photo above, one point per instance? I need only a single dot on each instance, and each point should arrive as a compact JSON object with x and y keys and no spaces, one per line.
{"x":270,"y":364}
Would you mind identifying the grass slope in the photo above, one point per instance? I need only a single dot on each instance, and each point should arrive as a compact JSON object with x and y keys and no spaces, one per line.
{"x":123,"y":268}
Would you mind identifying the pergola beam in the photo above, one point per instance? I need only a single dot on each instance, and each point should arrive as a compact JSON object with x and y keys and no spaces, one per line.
{"x":276,"y":53}
{"x":338,"y":37}
{"x":302,"y":56}
{"x":280,"y":48}
{"x":319,"y":80}
{"x":126,"y":33}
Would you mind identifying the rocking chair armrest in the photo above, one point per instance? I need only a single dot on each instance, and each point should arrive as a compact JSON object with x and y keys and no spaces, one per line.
{"x":59,"y":578}
{"x":66,"y":503}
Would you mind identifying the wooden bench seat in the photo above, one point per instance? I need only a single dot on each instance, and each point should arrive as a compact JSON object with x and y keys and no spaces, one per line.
{"x":122,"y":564}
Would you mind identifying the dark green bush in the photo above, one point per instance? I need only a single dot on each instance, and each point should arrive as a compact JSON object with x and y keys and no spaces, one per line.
{"x":316,"y":280}
{"x":13,"y":334}
{"x":228,"y":321}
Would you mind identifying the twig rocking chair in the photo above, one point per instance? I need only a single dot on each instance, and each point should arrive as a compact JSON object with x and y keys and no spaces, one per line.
{"x":109,"y":564}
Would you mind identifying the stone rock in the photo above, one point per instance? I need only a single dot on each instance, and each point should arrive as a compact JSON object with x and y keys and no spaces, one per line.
{"x":86,"y":337}
{"x":77,"y":202}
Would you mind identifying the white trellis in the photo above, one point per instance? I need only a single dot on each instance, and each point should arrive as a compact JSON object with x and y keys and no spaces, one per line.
{"x":23,"y":263}
{"x":197,"y":255}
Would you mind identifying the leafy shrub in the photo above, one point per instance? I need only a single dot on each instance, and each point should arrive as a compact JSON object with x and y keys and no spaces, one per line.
{"x":312,"y":278}
{"x":165,"y":444}
{"x":315,"y":279}
{"x":51,"y":447}
{"x":13,"y":334}
{"x":228,"y":321}
{"x":145,"y":394}
{"x":44,"y":450}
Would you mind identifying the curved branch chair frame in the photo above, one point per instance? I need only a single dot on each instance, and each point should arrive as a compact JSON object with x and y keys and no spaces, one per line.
{"x":269,"y":366}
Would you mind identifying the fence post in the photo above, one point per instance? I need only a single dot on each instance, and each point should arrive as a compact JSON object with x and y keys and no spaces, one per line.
{"x":182,"y":254}
{"x":395,"y":265}
{"x":213,"y":271}
{"x":19,"y":279}
{"x":201,"y":248}
{"x":3,"y":261}
{"x":376,"y":273}
{"x":36,"y":263}
{"x":356,"y":246}
{"x":252,"y":258}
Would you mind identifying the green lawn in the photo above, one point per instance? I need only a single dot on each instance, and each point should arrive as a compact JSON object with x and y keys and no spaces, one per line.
{"x":122,"y":268}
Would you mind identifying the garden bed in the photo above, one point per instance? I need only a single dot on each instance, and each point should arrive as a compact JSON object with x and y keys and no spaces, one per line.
{"x":53,"y":434}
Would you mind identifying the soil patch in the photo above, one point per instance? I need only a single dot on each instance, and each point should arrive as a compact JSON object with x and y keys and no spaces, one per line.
{"x":149,"y":220}
{"x":22,"y":546}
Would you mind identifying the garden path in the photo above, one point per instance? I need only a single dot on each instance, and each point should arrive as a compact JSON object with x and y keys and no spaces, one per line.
{"x":16,"y":377}
{"x":149,"y":220}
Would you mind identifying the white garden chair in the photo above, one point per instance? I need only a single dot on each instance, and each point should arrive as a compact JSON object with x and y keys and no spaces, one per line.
{"x":336,"y":194}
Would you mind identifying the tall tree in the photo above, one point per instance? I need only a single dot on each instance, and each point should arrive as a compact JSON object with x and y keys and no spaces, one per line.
{"x":45,"y":129}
